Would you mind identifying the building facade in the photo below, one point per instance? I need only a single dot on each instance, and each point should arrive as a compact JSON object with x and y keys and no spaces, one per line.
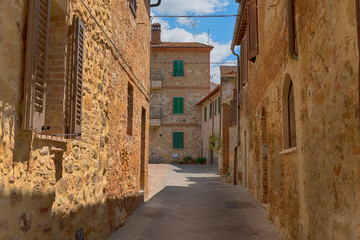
{"x":299,"y":119}
{"x":210,"y":125}
{"x":74,"y":107}
{"x":180,"y":78}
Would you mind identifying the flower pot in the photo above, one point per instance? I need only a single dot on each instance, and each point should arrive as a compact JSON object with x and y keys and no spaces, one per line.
{"x":204,"y":163}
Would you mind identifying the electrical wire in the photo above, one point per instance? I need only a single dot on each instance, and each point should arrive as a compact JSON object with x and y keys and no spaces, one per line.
{"x":199,"y":63}
{"x":117,"y":50}
{"x":200,"y":16}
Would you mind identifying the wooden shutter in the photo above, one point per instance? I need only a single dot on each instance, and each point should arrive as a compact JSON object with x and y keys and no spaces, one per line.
{"x":205,"y":114}
{"x":77,"y":76}
{"x":211,"y":110}
{"x":175,"y":105}
{"x":35,"y":65}
{"x":178,"y":140}
{"x":215,"y":105}
{"x":253,"y":45}
{"x":244,"y":61}
{"x":181,"y":105}
{"x":219,"y":110}
{"x":175,"y":71}
{"x":181,"y":68}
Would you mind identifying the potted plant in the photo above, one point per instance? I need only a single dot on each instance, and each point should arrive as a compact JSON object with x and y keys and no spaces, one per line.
{"x":181,"y":162}
{"x":201,"y":160}
{"x":187,"y":159}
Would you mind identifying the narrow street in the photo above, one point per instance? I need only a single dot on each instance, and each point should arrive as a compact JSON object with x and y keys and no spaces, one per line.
{"x":190,"y":202}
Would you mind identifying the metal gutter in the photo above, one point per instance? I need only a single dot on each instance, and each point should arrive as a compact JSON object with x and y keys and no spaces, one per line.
{"x":155,"y":4}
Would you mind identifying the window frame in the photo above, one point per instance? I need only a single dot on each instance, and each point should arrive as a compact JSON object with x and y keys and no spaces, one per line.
{"x":178,"y":68}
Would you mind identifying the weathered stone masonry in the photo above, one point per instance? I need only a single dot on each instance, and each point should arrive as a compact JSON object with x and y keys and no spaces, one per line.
{"x":52,"y":187}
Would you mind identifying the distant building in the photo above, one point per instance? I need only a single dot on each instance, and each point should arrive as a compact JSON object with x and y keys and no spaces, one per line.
{"x":210,"y":124}
{"x":180,"y":77}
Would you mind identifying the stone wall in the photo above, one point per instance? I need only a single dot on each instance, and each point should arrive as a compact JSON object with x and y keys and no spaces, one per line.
{"x":51,"y":187}
{"x":311,"y":189}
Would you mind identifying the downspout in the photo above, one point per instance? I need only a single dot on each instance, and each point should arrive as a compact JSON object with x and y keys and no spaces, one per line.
{"x":237,"y":27}
{"x":358,"y":37}
{"x":212,"y":128}
{"x":291,"y":29}
{"x":155,"y":4}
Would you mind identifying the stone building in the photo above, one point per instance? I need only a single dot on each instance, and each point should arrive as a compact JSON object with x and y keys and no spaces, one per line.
{"x":210,"y":124}
{"x":180,"y":77}
{"x":74,"y":107}
{"x":228,"y":118}
{"x":299,"y":150}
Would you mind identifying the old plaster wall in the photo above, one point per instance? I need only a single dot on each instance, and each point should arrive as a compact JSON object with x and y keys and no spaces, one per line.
{"x":52,"y":188}
{"x":313,"y":190}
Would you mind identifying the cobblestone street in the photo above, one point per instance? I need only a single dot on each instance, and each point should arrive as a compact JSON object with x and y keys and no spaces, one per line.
{"x":190,"y":202}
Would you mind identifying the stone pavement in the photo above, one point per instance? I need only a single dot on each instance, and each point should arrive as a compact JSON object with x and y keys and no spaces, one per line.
{"x":190,"y":202}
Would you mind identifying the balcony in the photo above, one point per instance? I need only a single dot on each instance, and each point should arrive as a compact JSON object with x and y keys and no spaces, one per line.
{"x":156,"y":79}
{"x":155,"y":116}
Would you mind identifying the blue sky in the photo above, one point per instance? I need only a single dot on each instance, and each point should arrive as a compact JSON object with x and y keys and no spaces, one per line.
{"x":182,"y":29}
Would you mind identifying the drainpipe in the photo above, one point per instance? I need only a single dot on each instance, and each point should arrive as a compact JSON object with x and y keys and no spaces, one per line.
{"x":358,"y":37}
{"x":291,"y":29}
{"x":237,"y":27}
{"x":156,"y":4}
{"x":212,"y":128}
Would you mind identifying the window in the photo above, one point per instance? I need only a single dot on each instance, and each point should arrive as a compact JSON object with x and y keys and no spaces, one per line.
{"x":244,"y":61}
{"x":253,"y":43}
{"x":288,"y":107}
{"x":292,"y":30}
{"x":291,"y":117}
{"x":133,"y":7}
{"x":205,"y":114}
{"x":219,"y":110}
{"x":215,"y":106}
{"x":178,"y":140}
{"x":178,"y":68}
{"x":130,"y":109}
{"x":178,"y":105}
{"x":46,"y":88}
{"x":211,"y":110}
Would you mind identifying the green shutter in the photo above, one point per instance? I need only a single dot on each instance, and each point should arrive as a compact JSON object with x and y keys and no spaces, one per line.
{"x":178,"y":105}
{"x":205,"y":114}
{"x":178,"y":140}
{"x":215,"y":106}
{"x":219,"y":110}
{"x":176,"y":70}
{"x":181,"y":68}
{"x":211,"y":106}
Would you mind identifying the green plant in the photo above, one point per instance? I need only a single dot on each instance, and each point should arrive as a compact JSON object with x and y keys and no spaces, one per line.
{"x":187,"y":158}
{"x":201,"y":160}
{"x":215,"y":143}
{"x":180,"y":161}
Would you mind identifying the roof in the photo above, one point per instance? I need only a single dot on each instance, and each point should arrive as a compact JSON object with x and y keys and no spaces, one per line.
{"x":182,"y":45}
{"x":210,"y":94}
{"x":228,"y":71}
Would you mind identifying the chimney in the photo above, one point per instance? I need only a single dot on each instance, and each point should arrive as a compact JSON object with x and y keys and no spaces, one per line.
{"x":156,"y":33}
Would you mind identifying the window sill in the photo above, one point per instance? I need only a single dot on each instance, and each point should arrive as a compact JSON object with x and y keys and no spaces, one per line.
{"x":49,"y":137}
{"x":288,"y":151}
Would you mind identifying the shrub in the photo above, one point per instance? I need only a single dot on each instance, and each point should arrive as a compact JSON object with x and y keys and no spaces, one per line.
{"x":187,"y":159}
{"x":200,"y":160}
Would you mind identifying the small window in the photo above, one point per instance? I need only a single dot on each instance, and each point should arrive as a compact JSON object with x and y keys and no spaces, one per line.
{"x":215,"y":107}
{"x":291,"y":117}
{"x":133,"y":7}
{"x":130,"y":107}
{"x":211,"y":111}
{"x":178,"y":68}
{"x":178,"y":105}
{"x":178,"y":140}
{"x":288,"y":107}
{"x":219,"y":110}
{"x":205,"y":114}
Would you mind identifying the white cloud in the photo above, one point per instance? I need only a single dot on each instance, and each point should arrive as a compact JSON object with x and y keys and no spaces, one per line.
{"x":185,"y":21}
{"x":199,"y":7}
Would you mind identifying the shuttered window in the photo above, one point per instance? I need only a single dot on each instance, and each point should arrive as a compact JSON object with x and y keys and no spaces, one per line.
{"x":130,"y":109}
{"x":244,"y":61}
{"x":219,"y":110}
{"x":215,"y":107}
{"x":76,"y":91}
{"x":211,"y":111}
{"x":178,"y":68}
{"x":35,"y":65}
{"x":178,"y":105}
{"x":178,"y":140}
{"x":205,"y":114}
{"x":253,"y":44}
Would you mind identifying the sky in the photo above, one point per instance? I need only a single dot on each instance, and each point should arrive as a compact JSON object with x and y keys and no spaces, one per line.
{"x":182,"y":29}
